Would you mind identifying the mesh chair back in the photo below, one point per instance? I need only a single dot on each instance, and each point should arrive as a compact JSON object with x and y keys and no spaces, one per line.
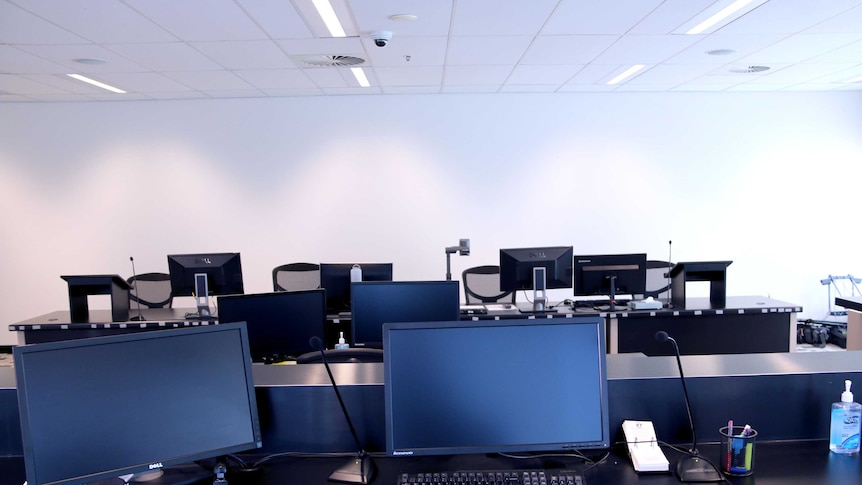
{"x":482,"y":285}
{"x":152,"y":290}
{"x":296,"y":277}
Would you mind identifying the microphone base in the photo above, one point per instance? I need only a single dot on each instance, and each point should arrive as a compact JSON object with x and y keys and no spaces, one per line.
{"x":359,"y":470}
{"x":693,"y":468}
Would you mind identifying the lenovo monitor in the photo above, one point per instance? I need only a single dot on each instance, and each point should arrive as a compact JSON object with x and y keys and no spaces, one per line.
{"x":279,"y":324}
{"x":488,"y":386}
{"x":335,"y":279}
{"x":376,"y":303}
{"x":106,"y":407}
{"x":610,"y":275}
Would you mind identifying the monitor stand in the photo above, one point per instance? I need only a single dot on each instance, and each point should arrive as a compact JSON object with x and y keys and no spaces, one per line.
{"x":202,"y":299}
{"x":540,"y":294}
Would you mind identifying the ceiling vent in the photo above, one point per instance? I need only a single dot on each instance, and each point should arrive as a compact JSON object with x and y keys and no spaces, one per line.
{"x":749,"y":69}
{"x":329,"y":61}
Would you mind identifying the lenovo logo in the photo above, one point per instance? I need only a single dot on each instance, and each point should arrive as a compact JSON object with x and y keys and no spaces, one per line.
{"x":402,"y":453}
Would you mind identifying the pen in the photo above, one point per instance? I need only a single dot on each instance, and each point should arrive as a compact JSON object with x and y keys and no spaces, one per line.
{"x":729,"y":442}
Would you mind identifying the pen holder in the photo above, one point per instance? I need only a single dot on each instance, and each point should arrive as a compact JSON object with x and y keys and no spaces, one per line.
{"x":737,"y":451}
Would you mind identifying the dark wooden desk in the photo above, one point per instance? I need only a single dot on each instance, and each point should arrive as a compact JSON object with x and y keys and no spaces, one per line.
{"x":776,"y":463}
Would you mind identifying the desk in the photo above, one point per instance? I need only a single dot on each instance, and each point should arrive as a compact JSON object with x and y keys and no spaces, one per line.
{"x":853,"y":304}
{"x":776,"y":463}
{"x":747,"y":324}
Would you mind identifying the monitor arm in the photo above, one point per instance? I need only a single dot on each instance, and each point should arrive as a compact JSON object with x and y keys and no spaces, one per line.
{"x":463,"y":248}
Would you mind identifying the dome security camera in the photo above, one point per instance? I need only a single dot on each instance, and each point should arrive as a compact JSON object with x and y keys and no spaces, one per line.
{"x":381,"y":37}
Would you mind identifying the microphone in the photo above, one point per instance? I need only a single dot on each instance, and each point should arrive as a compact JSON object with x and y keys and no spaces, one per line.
{"x":691,"y":468}
{"x":361,"y":469}
{"x":140,"y":317}
{"x":667,"y":275}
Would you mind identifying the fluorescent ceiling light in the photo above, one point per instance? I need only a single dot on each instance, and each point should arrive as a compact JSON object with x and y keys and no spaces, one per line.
{"x":327,"y":13}
{"x":721,"y":15}
{"x":359,"y":74}
{"x":627,"y":73}
{"x":96,"y":83}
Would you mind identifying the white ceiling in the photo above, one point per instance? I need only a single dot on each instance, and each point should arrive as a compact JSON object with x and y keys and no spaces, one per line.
{"x":185,"y":49}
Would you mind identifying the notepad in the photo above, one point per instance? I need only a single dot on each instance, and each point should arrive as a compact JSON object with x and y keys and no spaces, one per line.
{"x":644,"y":450}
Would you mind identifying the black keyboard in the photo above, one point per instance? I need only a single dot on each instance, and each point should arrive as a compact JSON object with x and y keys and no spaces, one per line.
{"x":495,"y":477}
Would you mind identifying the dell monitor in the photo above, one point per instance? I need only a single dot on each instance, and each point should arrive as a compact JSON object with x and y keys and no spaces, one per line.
{"x":335,"y":279}
{"x":279,"y":324}
{"x":495,"y":386}
{"x":610,"y":275}
{"x":376,"y":303}
{"x":105,"y":407}
{"x":202,"y":275}
{"x":537,"y":269}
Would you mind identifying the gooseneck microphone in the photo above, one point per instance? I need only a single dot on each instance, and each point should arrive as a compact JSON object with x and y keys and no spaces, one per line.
{"x":691,"y":468}
{"x":361,"y":469}
{"x":140,"y":317}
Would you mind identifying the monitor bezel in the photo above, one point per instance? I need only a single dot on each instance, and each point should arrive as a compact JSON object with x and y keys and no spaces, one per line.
{"x":595,"y":321}
{"x":287,"y":322}
{"x":456,"y":308}
{"x":518,"y":262}
{"x":182,"y":269}
{"x":21,"y":352}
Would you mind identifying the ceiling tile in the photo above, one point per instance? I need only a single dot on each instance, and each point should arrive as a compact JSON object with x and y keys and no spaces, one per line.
{"x":487,"y":18}
{"x":598,"y":16}
{"x":16,"y":61}
{"x":801,"y":47}
{"x":247,"y":54}
{"x":645,"y":49}
{"x":542,"y":75}
{"x":669,"y":16}
{"x":137,"y":82}
{"x":486,"y":51}
{"x":200,"y":20}
{"x":410,"y":76}
{"x":278,"y":18}
{"x":567,"y":49}
{"x":100,"y":21}
{"x":432,"y":18}
{"x":18,"y":26}
{"x":209,"y":80}
{"x":65,"y":55}
{"x":787,"y":16}
{"x":476,"y":75}
{"x":264,"y":79}
{"x":170,"y":56}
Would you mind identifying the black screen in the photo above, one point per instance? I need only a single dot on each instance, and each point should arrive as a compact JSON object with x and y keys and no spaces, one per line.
{"x":102,"y":407}
{"x":223,"y":270}
{"x":376,"y":303}
{"x":279,"y":324}
{"x":335,"y":279}
{"x":495,"y":386}
{"x":516,"y":267}
{"x":593,"y":274}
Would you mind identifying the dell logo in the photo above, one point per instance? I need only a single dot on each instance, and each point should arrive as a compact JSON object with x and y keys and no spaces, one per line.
{"x":538,"y":255}
{"x":156,"y":466}
{"x":203,"y":261}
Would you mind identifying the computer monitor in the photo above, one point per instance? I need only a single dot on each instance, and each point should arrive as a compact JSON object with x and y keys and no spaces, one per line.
{"x":279,"y":324}
{"x":491,"y":386}
{"x":610,"y":275}
{"x":104,"y":407}
{"x":205,"y":274}
{"x":537,"y":269}
{"x":376,"y":303}
{"x":335,"y":279}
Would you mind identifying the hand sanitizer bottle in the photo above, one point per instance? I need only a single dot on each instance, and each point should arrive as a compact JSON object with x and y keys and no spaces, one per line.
{"x":341,"y":343}
{"x":844,"y":434}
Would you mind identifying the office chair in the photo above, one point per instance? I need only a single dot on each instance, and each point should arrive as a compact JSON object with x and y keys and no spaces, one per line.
{"x":657,"y":282}
{"x":152,"y":290}
{"x":482,"y":285}
{"x":296,"y":277}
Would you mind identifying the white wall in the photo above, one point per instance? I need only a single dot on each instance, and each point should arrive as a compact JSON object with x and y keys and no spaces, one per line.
{"x":766,"y":180}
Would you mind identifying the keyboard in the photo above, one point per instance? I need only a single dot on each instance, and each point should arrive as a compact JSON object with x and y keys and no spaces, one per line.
{"x":495,"y":477}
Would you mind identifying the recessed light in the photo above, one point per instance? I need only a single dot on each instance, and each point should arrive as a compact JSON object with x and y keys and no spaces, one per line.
{"x":90,"y":60}
{"x":722,"y":52}
{"x":403,"y":17}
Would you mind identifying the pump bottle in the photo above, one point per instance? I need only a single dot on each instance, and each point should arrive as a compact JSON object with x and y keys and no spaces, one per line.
{"x":845,"y":426}
{"x":341,"y":343}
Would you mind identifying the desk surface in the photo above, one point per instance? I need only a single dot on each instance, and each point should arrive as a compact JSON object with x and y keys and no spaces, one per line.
{"x":776,"y":463}
{"x":849,"y":302}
